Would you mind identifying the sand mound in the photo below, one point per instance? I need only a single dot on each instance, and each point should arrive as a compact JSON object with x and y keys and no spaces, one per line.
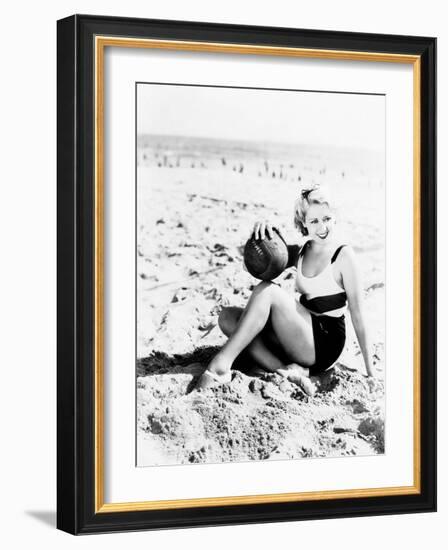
{"x":252,"y":418}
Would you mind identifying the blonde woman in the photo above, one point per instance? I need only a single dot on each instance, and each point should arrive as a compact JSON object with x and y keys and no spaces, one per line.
{"x":302,"y":335}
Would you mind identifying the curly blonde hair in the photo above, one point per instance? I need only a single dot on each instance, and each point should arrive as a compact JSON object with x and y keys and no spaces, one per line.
{"x":317,"y":194}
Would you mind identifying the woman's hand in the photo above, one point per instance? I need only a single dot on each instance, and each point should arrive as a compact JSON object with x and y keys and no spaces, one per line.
{"x":264,"y":229}
{"x":372,"y":382}
{"x":370,"y":368}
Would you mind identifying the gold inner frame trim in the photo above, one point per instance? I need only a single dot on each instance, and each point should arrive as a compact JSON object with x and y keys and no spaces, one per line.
{"x":101,"y":42}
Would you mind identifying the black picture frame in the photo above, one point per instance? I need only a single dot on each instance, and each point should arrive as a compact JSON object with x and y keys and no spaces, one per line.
{"x":76,"y":404}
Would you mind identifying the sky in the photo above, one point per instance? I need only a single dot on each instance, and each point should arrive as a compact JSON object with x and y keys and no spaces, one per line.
{"x":313,"y":118}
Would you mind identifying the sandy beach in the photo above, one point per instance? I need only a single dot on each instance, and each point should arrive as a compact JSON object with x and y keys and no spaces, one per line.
{"x":197,"y":201}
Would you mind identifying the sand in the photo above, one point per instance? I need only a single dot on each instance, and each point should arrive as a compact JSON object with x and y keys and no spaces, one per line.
{"x":197,"y":203}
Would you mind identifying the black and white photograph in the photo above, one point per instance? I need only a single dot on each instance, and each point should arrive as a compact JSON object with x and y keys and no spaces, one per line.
{"x":260,"y":274}
{"x":221,"y":259}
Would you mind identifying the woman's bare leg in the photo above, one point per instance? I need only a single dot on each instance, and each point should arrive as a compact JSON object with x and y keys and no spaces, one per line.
{"x":257,"y":349}
{"x":293,"y":331}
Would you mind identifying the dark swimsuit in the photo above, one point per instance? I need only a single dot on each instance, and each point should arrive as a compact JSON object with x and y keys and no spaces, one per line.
{"x":329,"y":341}
{"x":328,"y":330}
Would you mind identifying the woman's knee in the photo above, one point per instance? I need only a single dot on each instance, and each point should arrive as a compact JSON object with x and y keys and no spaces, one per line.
{"x":228,"y":319}
{"x":264,"y":287}
{"x":275,"y":292}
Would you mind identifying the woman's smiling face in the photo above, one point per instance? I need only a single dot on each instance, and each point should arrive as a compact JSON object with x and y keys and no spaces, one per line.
{"x":320,"y":222}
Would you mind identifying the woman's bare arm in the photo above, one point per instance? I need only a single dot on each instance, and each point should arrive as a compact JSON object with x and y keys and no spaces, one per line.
{"x":351,"y":279}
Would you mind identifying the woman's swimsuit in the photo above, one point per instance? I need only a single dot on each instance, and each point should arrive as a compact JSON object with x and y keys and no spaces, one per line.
{"x":327,"y":302}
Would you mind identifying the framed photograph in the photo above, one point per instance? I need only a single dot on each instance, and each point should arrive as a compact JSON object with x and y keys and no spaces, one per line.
{"x":246,"y":274}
